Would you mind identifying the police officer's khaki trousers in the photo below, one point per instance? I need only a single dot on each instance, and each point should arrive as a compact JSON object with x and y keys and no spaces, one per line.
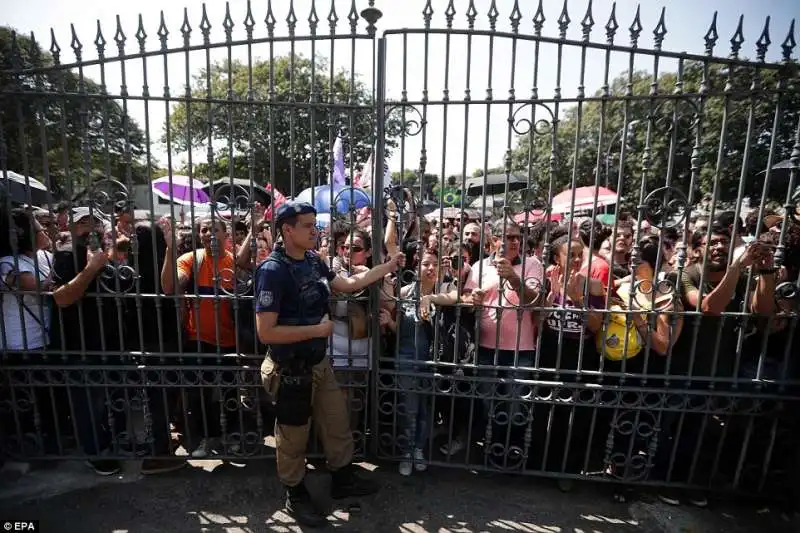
{"x":330,"y":415}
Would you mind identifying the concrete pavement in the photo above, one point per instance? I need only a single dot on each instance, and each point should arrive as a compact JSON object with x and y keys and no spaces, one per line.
{"x":212,"y":496}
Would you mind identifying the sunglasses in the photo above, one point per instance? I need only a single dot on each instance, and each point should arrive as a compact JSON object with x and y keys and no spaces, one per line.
{"x":352,"y":248}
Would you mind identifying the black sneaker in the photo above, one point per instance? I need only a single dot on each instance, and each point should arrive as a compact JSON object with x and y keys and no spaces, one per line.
{"x":300,"y":507}
{"x":161,"y":466}
{"x":670,"y":496}
{"x":698,"y":499}
{"x":104,"y":467}
{"x":347,"y":483}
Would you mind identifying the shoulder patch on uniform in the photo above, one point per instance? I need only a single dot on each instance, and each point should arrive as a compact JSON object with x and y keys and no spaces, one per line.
{"x":265,"y":298}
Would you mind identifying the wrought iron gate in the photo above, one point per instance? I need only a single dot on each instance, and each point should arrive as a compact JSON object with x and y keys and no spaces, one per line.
{"x":669,"y":131}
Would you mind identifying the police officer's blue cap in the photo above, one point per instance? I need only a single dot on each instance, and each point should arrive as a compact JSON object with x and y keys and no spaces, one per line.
{"x":292,"y":209}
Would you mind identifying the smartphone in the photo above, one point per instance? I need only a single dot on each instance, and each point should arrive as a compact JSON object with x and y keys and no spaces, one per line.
{"x":94,"y":241}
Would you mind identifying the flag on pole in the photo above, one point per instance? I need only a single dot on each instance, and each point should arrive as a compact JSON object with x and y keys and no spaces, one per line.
{"x":387,"y":177}
{"x":338,"y":163}
{"x":365,"y":180}
{"x":367,"y":173}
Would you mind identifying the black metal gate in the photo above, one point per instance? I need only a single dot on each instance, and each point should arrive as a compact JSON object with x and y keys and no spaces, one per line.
{"x":678,"y":138}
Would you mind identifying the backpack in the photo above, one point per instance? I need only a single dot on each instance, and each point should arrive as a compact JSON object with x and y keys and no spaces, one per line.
{"x":456,"y":339}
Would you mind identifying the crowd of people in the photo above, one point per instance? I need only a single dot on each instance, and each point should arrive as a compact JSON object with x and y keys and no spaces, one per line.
{"x":702,"y":305}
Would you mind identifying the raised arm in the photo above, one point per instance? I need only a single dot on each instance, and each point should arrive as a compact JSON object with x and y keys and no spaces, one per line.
{"x":358,"y":281}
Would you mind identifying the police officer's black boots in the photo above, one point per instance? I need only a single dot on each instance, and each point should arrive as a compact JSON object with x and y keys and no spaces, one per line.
{"x":347,"y":483}
{"x":300,"y":507}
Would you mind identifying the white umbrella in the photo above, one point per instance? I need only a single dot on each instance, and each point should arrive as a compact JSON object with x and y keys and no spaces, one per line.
{"x":18,"y":187}
{"x":492,"y":201}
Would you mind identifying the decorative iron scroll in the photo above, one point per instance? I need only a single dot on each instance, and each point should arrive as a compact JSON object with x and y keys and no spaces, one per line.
{"x":665,"y":207}
{"x":524,"y":126}
{"x":398,"y":124}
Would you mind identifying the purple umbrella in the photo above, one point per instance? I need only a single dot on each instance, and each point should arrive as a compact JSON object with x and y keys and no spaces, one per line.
{"x":184,"y":190}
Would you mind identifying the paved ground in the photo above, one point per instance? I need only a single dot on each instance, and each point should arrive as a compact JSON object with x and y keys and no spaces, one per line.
{"x":210,"y":496}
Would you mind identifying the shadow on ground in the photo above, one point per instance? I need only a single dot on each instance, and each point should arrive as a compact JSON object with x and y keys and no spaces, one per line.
{"x":211,"y":496}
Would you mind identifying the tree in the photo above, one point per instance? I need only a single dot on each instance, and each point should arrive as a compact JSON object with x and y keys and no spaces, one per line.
{"x":407,"y":177}
{"x":410,"y":178}
{"x":656,"y":114}
{"x":112,"y":138}
{"x":287,"y":123}
{"x":478,"y":172}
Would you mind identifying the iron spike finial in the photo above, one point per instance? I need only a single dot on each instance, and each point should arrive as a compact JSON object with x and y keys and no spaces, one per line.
{"x":516,"y":17}
{"x":711,"y":36}
{"x":162,"y":32}
{"x":205,"y":25}
{"x":660,"y":30}
{"x":763,"y":42}
{"x":789,"y":43}
{"x":141,"y":35}
{"x":313,"y":18}
{"x":55,"y":50}
{"x":538,"y":19}
{"x":249,"y":21}
{"x":33,"y":48}
{"x":612,"y":25}
{"x":333,"y":18}
{"x":450,"y":13}
{"x":75,"y":44}
{"x":738,"y":38}
{"x":636,"y":27}
{"x":186,"y":27}
{"x":99,"y":40}
{"x":119,"y":36}
{"x":493,"y":14}
{"x":270,"y":19}
{"x":472,"y":14}
{"x":587,"y":22}
{"x":227,"y":22}
{"x":427,"y":14}
{"x":563,"y":21}
{"x":291,"y":18}
{"x":16,"y":60}
{"x":352,"y":16}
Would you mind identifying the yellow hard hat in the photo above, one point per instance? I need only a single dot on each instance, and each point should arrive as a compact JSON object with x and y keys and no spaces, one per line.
{"x":611,"y":340}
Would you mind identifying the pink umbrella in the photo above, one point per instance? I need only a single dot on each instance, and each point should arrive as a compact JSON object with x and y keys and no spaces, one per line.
{"x":277,"y":198}
{"x":584,"y":199}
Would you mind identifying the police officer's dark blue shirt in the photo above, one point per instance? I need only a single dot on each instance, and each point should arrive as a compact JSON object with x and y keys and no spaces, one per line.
{"x":298,"y":291}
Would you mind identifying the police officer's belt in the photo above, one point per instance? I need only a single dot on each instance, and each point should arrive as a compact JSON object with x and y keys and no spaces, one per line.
{"x":296,"y":380}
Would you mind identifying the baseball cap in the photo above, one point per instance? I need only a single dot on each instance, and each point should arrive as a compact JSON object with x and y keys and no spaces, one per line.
{"x":79,"y":213}
{"x":292,"y":209}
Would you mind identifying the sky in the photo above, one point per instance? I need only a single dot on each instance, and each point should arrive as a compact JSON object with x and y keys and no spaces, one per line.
{"x":457,"y":138}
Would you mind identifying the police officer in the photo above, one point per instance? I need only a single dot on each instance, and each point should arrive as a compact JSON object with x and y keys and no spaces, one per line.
{"x":292,"y":288}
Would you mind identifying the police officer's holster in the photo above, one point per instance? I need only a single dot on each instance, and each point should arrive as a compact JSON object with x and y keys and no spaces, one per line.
{"x":292,"y":392}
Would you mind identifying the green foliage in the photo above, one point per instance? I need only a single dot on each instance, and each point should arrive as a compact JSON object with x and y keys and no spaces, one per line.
{"x":410,"y":178}
{"x":289,"y":127}
{"x":656,"y":116}
{"x":68,"y":122}
{"x":478,"y":172}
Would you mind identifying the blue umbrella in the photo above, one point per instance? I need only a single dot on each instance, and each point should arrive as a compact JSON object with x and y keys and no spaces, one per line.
{"x":342,"y":196}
